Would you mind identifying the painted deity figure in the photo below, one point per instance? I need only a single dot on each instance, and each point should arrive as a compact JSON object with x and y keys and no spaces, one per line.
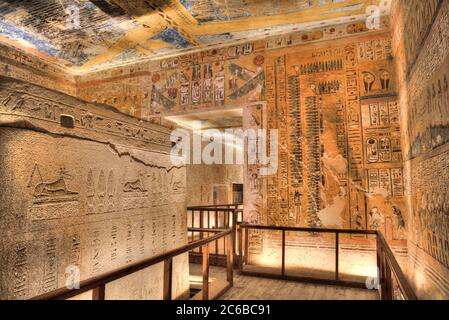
{"x":255,"y":183}
{"x":400,"y":222}
{"x":358,"y":220}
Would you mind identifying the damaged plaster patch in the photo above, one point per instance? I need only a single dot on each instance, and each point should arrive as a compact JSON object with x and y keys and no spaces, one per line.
{"x":331,"y":216}
{"x":337,"y":165}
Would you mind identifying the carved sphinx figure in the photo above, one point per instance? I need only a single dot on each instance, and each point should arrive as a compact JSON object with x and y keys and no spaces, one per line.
{"x":136,"y":185}
{"x":54,"y":188}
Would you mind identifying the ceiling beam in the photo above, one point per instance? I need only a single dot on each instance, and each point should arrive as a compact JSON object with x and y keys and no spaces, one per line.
{"x":154,"y":16}
{"x":320,"y":13}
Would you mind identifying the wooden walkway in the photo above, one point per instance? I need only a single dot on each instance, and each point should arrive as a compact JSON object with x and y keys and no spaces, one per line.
{"x":252,"y":288}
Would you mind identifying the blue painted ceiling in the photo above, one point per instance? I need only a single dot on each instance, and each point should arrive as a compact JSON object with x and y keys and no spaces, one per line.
{"x":97,"y":33}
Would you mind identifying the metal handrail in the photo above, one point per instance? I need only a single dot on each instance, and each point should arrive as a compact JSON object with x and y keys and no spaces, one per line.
{"x":212,"y":209}
{"x":213,"y":206}
{"x":98,"y":283}
{"x":312,"y":230}
{"x":386,"y":261}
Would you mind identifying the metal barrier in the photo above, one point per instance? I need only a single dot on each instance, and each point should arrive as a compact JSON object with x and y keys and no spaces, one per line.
{"x":387,"y":264}
{"x":214,"y":217}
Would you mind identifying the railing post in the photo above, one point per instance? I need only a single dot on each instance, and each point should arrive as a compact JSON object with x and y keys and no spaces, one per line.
{"x":230,"y":260}
{"x":216,"y":218}
{"x":226,"y":219}
{"x":384,"y":276}
{"x":388,"y":283}
{"x":379,"y":266}
{"x":241,"y":248}
{"x":168,"y":276}
{"x":205,"y":251}
{"x":208,"y":219}
{"x":283,"y":254}
{"x":337,"y":244}
{"x":98,"y":293}
{"x":246,"y":244}
{"x":201,"y":225}
{"x":234,"y":232}
{"x":193,"y":225}
{"x":225,"y":242}
{"x":383,"y":281}
{"x":216,"y":227}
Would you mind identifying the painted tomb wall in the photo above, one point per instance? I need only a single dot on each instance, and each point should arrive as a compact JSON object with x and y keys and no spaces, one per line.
{"x":212,"y":183}
{"x":334,"y":103}
{"x":199,"y":80}
{"x":421,"y":47}
{"x":84,"y":188}
{"x":335,"y":106}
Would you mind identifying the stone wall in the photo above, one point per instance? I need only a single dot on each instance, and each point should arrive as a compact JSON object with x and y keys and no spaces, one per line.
{"x":17,"y":64}
{"x":421,"y":50}
{"x":85,"y":188}
{"x":210,"y":184}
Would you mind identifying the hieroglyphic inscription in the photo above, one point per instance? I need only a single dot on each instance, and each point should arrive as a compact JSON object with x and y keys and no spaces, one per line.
{"x":322,"y":66}
{"x":20,"y":271}
{"x":419,"y":21}
{"x":281,"y":112}
{"x":430,"y":204}
{"x":73,"y":193}
{"x":341,"y":129}
{"x":353,"y":118}
{"x":23,"y":103}
{"x":295,"y":147}
{"x":355,"y":144}
{"x":272,"y":180}
{"x":313,"y":160}
{"x":50,"y":265}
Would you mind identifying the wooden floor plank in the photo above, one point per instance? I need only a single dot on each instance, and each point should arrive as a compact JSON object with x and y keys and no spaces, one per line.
{"x":253,"y":288}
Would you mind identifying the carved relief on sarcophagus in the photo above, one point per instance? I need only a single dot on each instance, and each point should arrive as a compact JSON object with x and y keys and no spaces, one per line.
{"x":89,"y":197}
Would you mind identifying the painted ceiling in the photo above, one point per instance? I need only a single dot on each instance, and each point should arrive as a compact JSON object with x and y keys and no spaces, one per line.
{"x":90,"y":34}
